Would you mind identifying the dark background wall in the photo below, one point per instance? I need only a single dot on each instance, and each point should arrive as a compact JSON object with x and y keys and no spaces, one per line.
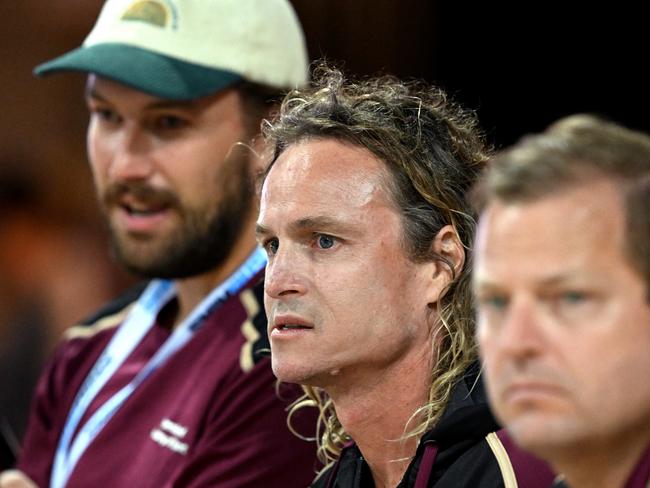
{"x":521,"y":66}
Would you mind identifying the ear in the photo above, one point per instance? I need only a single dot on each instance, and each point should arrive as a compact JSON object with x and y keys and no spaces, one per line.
{"x":448,"y":246}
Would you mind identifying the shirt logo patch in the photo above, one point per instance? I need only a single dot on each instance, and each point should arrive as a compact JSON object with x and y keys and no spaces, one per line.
{"x":169,"y":434}
{"x":148,"y":11}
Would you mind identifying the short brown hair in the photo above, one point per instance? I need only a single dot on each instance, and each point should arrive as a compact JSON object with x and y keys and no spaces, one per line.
{"x":574,"y":151}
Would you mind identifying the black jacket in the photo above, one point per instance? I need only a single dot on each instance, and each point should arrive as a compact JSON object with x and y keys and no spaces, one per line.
{"x":464,"y":447}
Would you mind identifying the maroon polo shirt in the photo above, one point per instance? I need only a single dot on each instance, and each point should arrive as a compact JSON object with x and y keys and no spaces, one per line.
{"x":209,"y":417}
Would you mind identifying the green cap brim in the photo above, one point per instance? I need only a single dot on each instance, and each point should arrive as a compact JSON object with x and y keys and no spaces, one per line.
{"x":147,"y":71}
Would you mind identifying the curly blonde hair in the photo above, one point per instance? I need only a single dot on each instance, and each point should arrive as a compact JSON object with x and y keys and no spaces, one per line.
{"x":434,"y":152}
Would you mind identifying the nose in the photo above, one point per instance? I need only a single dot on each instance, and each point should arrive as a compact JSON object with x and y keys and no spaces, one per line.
{"x":285,"y":277}
{"x":131,"y":158}
{"x":522,"y":330}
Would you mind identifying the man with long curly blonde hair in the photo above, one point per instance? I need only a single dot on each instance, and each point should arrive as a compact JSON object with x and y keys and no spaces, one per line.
{"x":365,"y":223}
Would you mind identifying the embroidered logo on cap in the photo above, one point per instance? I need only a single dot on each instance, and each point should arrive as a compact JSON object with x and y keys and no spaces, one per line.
{"x":148,"y":11}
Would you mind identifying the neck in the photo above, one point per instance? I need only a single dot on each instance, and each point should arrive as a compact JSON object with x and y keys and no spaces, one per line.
{"x":607,"y":465}
{"x":378,"y":425}
{"x":191,"y":291}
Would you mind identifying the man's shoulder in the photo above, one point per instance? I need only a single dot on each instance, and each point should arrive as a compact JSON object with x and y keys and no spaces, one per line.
{"x":116,"y":305}
{"x":529,"y":470}
{"x":239,"y":326}
{"x":108,"y":317}
{"x":492,"y":461}
{"x":471,"y":448}
{"x":254,"y":328}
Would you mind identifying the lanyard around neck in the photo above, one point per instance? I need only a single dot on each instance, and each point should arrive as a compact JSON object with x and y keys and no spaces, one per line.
{"x":139,"y":321}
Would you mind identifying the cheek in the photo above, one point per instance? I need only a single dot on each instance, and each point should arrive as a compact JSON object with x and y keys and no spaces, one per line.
{"x":199,"y":185}
{"x":99,"y":157}
{"x":498,"y":364}
{"x":494,"y":373}
{"x":348,"y":305}
{"x":488,"y":349}
{"x":617,"y":367}
{"x":350,"y":301}
{"x":362,"y":288}
{"x":602,"y":372}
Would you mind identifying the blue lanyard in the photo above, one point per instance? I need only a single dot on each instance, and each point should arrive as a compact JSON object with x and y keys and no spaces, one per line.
{"x":139,"y":321}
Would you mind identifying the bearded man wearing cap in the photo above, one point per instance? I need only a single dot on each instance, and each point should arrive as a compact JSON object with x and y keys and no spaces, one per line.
{"x":169,"y":385}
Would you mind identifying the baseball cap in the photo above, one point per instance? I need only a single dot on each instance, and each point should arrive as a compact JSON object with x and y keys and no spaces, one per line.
{"x":187,"y":49}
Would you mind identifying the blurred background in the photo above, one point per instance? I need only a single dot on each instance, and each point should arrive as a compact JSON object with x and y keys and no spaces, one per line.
{"x":521,"y":66}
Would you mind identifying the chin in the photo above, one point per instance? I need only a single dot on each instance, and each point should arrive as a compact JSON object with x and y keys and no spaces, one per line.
{"x":543,"y":434}
{"x":287,"y":372}
{"x":292,"y":372}
{"x":530,"y":437}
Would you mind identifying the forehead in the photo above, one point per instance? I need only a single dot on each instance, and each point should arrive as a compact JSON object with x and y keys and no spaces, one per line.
{"x":580,"y":228}
{"x":326,"y":176}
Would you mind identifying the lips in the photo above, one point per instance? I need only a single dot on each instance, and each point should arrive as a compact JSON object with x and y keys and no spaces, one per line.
{"x":289,"y":324}
{"x":138,"y":222}
{"x":139,"y":196}
{"x":139,"y":208}
{"x":292,"y":327}
{"x":531,"y":390}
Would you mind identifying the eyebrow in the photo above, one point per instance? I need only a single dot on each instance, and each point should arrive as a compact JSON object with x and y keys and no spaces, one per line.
{"x":556,"y":279}
{"x":481,"y":283}
{"x":261,"y":230}
{"x":322,"y":223}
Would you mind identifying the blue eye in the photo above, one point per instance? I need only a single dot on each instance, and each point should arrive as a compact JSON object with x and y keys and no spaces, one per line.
{"x":324,"y":241}
{"x":498,"y":302}
{"x":271,"y":246}
{"x":573,"y":297}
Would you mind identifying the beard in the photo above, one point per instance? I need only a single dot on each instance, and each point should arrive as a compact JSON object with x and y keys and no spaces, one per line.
{"x":204,"y":239}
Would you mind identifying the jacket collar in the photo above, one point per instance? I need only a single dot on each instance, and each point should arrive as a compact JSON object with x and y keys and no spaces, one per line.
{"x":466,"y":417}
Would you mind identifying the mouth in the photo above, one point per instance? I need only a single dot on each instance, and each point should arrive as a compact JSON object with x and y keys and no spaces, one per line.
{"x":140,"y":215}
{"x":139,"y":198}
{"x":289,"y":326}
{"x":142,"y":209}
{"x":292,"y":327}
{"x":530,"y":391}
